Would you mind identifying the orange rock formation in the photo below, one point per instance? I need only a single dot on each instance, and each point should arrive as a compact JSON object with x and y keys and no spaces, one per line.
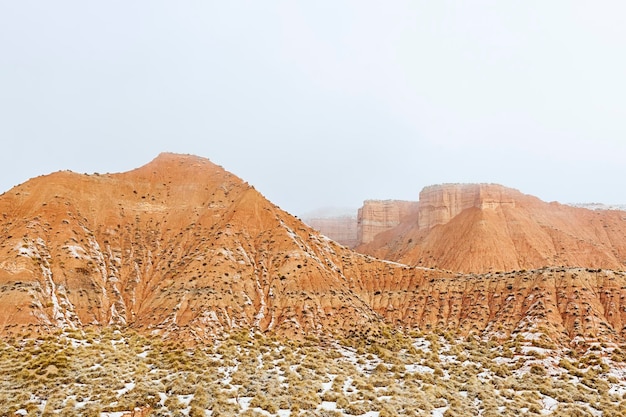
{"x":377,"y":216}
{"x":182,"y":248}
{"x":485,"y":227}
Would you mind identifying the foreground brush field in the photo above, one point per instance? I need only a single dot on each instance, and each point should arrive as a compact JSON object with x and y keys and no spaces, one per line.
{"x":112,"y":372}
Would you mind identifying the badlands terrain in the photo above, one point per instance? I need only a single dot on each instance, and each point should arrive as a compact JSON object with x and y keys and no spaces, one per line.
{"x":178,"y":289}
{"x":482,"y":228}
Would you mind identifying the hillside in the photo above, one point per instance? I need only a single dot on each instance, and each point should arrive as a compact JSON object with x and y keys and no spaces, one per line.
{"x":487,"y":228}
{"x":183,"y":249}
{"x":176,"y":245}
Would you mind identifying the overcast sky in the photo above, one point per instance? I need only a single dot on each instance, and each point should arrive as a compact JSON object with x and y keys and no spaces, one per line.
{"x":322,"y":103}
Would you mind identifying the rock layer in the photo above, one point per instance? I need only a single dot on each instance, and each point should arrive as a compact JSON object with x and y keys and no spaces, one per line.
{"x":377,"y":216}
{"x":438,"y":204}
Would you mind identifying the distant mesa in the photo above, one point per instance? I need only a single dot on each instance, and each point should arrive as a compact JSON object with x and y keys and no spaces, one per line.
{"x":487,"y":227}
{"x":363,"y":224}
{"x":377,"y":216}
{"x":339,"y":224}
{"x":599,"y":206}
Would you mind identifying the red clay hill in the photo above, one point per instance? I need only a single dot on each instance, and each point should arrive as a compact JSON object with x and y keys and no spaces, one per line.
{"x":487,"y":227}
{"x":182,"y":248}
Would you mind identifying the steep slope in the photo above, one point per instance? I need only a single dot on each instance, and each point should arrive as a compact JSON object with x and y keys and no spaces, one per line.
{"x":579,"y":305}
{"x":177,"y":244}
{"x":182,"y":248}
{"x":486,"y":227}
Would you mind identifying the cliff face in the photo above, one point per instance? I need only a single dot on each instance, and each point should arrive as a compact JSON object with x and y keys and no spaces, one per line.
{"x":341,"y":229}
{"x":439,"y":204}
{"x":184,"y":249}
{"x":377,"y":216}
{"x":482,"y":228}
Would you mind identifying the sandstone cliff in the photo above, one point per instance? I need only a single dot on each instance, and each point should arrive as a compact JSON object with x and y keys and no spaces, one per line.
{"x":374,"y":217}
{"x":483,"y":227}
{"x":182,"y":248}
{"x":438,"y":204}
{"x":377,"y":216}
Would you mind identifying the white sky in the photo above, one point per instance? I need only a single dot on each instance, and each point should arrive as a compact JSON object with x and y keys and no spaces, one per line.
{"x":322,"y":103}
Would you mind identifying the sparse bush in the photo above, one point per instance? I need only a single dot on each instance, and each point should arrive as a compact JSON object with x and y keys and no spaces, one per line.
{"x":356,"y":408}
{"x":537,"y":370}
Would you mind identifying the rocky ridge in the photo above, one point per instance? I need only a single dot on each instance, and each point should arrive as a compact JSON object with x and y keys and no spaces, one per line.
{"x":182,"y":248}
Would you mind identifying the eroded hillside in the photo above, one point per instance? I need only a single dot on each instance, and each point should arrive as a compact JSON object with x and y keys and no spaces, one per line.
{"x":182,"y":248}
{"x":179,"y":244}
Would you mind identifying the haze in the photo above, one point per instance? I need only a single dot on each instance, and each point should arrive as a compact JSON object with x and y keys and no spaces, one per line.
{"x":322,"y":104}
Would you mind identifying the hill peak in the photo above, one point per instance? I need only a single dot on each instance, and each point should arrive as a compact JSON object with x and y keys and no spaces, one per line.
{"x":174,"y":162}
{"x":181,"y":158}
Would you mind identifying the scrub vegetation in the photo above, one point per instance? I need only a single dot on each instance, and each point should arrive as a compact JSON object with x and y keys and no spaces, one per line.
{"x":107,"y":372}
